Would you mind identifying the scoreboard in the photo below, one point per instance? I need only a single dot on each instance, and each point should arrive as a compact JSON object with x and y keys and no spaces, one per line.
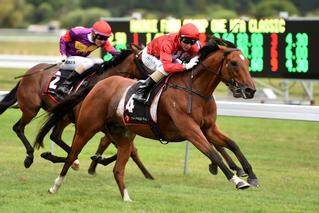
{"x":276,"y":48}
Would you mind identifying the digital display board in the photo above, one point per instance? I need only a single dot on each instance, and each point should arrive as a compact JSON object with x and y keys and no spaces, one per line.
{"x":276,"y":48}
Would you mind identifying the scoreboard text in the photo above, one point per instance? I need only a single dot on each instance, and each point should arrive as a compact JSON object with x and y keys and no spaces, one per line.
{"x":276,"y":48}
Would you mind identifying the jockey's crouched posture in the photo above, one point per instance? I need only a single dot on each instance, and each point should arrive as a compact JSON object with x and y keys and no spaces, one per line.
{"x":164,"y":55}
{"x":77,"y":44}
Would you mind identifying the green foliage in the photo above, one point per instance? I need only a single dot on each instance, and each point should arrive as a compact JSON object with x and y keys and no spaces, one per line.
{"x":19,"y":13}
{"x":271,"y":8}
{"x":12,"y":13}
{"x":44,"y":12}
{"x":82,"y":17}
{"x":218,"y":11}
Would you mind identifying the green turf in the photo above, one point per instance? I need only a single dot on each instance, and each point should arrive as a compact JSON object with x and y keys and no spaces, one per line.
{"x":284,"y":155}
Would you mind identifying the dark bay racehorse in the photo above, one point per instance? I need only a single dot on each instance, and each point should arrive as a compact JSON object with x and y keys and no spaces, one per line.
{"x":29,"y":93}
{"x":100,"y":111}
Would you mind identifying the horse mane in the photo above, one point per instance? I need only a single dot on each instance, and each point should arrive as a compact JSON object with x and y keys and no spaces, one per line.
{"x":212,"y":45}
{"x":117,"y":59}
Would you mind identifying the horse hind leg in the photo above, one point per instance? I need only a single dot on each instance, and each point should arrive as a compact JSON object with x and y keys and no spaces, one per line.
{"x":123,"y":154}
{"x":77,"y":145}
{"x":137,"y":160}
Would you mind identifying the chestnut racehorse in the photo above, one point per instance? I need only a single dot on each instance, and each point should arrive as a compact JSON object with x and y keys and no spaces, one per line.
{"x":29,"y":93}
{"x":102,"y":107}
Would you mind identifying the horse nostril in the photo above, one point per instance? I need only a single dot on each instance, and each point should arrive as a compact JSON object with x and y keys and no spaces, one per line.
{"x":250,"y":92}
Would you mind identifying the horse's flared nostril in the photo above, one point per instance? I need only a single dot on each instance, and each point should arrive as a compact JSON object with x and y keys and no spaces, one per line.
{"x":249,"y":92}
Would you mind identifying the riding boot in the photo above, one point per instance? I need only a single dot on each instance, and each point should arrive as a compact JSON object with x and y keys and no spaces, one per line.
{"x":67,"y":84}
{"x":143,"y":90}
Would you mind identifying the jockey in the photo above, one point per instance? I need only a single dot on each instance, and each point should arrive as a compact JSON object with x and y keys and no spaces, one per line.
{"x":165,"y":54}
{"x":76,"y":44}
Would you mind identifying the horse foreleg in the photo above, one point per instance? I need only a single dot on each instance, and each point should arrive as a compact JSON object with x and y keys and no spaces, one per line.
{"x":57,"y":133}
{"x":232,"y":165}
{"x":137,"y":160}
{"x":192,"y":132}
{"x":104,"y":144}
{"x":214,"y":134}
{"x":19,"y":130}
{"x":57,"y":139}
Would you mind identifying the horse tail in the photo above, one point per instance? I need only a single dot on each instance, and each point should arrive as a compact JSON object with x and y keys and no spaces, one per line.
{"x":58,"y":112}
{"x":9,"y":99}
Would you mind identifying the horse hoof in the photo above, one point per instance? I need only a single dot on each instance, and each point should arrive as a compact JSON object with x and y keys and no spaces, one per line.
{"x":254,"y":182}
{"x":242,"y":185}
{"x":150,"y":177}
{"x":51,"y":191}
{"x":241,"y":173}
{"x":28,"y":161}
{"x":45,"y":155}
{"x":213,"y":169}
{"x":91,"y":172}
{"x":91,"y":169}
{"x":96,"y":158}
{"x":76,"y":165}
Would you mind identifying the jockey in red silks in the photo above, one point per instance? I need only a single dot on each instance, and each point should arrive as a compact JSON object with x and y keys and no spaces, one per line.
{"x":165,"y":54}
{"x":76,"y":44}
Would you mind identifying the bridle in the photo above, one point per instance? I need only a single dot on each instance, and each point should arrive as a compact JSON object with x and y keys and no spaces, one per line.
{"x":230,"y":83}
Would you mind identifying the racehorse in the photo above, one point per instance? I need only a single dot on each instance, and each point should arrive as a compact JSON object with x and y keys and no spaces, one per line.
{"x":66,"y":106}
{"x":30,"y":95}
{"x":101,"y":111}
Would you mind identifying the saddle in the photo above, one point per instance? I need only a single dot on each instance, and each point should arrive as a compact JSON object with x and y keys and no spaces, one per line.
{"x":137,"y":113}
{"x":59,"y":77}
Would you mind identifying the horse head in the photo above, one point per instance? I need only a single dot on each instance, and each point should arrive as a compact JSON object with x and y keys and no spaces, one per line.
{"x":235,"y":74}
{"x":233,"y":68}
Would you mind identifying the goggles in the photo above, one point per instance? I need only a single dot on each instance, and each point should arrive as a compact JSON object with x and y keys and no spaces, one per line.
{"x":188,"y":40}
{"x":100,"y":37}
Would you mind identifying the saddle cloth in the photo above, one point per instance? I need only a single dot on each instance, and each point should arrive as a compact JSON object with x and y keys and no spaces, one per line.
{"x":58,"y":79}
{"x":139,"y":113}
{"x":136,"y":113}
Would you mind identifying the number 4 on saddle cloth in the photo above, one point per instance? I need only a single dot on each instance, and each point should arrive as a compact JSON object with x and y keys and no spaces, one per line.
{"x":59,"y":78}
{"x":135,"y":112}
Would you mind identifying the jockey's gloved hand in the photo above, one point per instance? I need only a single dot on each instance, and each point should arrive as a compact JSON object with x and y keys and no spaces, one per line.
{"x":62,"y":59}
{"x":194,"y":61}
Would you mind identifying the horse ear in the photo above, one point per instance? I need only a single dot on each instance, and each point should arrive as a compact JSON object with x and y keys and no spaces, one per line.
{"x":135,"y":48}
{"x":209,"y":38}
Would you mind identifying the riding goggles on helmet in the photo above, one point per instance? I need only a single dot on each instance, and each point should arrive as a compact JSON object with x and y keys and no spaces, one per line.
{"x":188,"y":40}
{"x":100,"y":37}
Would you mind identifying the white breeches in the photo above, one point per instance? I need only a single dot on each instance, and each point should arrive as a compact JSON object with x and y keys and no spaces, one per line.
{"x":152,"y":62}
{"x":74,"y":61}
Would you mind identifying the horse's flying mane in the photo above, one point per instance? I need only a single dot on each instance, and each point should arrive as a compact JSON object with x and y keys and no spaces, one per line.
{"x":212,"y":46}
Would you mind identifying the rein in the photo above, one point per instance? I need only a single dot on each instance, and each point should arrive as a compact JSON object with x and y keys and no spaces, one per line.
{"x":41,"y":70}
{"x":143,"y":71}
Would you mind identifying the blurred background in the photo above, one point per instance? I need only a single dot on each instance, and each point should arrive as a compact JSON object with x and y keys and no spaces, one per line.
{"x":31,"y":28}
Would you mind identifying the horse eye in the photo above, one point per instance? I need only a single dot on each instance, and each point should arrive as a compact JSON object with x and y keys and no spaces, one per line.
{"x":233,"y":63}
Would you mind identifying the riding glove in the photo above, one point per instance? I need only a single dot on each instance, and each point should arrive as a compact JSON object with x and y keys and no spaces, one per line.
{"x":62,"y":59}
{"x":192,"y":63}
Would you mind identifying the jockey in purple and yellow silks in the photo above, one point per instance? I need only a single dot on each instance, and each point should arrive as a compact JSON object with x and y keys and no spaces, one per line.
{"x":76,"y":44}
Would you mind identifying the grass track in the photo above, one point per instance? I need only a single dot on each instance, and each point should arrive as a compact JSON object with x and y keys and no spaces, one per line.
{"x":284,"y":155}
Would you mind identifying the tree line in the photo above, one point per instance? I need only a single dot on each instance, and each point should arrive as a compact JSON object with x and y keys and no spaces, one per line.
{"x":21,"y":13}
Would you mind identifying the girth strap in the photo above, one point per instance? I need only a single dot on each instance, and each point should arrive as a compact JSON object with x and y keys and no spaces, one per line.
{"x":187,"y":89}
